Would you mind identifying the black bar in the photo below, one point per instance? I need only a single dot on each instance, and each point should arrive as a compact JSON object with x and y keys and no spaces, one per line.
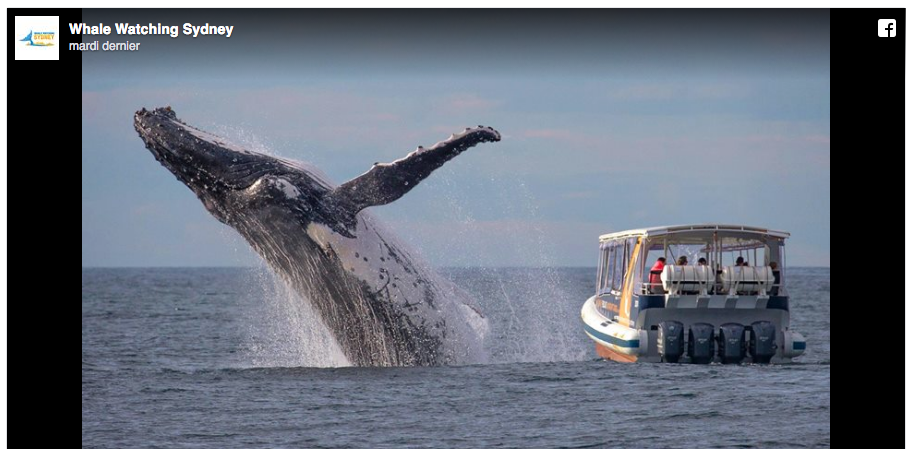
{"x":44,"y":126}
{"x":867,"y":87}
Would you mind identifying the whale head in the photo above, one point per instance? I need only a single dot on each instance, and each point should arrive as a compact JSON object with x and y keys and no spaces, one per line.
{"x":230,"y":180}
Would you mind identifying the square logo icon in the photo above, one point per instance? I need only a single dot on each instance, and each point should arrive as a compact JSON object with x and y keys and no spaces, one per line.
{"x":887,"y":28}
{"x":37,"y":38}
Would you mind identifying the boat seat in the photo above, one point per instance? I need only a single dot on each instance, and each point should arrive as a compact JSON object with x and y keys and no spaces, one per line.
{"x":688,"y":280}
{"x":747,"y":280}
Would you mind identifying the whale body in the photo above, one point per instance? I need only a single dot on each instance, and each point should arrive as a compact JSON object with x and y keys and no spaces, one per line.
{"x":383,"y":305}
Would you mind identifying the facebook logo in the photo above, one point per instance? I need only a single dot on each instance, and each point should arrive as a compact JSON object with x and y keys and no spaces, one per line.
{"x":887,"y":28}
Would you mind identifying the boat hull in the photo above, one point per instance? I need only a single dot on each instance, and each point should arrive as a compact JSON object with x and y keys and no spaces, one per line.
{"x":609,"y":354}
{"x":637,"y":342}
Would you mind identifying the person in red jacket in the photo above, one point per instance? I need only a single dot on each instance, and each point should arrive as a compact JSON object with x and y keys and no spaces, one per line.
{"x":656,"y":283}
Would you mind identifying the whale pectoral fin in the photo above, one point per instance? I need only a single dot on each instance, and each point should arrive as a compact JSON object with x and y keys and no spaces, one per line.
{"x":387,"y":182}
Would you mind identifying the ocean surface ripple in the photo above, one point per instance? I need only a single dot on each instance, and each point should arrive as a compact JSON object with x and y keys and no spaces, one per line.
{"x":226,"y":358}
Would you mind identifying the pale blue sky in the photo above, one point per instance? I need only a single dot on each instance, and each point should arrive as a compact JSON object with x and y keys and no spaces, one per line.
{"x":602,"y":131}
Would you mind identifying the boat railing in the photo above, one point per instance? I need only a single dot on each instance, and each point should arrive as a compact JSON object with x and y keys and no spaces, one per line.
{"x":735,"y":283}
{"x":652,"y":288}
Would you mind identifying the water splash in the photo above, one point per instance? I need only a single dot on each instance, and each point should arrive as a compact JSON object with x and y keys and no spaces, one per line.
{"x":557,"y":339}
{"x":242,"y":136}
{"x":533,"y":315}
{"x":286,"y":331}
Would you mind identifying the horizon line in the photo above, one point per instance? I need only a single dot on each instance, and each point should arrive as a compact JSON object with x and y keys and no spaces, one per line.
{"x":434,"y":267}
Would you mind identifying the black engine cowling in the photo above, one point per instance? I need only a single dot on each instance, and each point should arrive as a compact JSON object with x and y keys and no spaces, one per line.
{"x":671,"y":340}
{"x":700,"y":343}
{"x":731,"y":343}
{"x":762,"y":344}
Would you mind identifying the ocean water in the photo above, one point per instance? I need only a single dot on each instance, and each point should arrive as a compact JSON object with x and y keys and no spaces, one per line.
{"x":229,"y":358}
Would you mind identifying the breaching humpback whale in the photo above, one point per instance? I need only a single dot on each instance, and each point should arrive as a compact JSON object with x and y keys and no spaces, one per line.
{"x":382,"y":305}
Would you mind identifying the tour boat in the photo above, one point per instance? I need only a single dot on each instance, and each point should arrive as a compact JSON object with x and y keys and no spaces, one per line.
{"x":720,"y":296}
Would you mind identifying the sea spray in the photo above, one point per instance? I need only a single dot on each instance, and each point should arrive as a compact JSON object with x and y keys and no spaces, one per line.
{"x":531,"y":312}
{"x":285,"y":330}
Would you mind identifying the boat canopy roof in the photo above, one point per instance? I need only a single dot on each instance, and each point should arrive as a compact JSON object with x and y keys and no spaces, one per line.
{"x":692,"y":230}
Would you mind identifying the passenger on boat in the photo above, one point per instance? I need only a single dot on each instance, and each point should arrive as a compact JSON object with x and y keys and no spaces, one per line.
{"x":740,"y":262}
{"x":775,"y":290}
{"x":656,"y":282}
{"x":682,"y":261}
{"x":702,"y":261}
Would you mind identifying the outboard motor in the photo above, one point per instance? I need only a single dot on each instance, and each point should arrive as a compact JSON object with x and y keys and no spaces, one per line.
{"x":700,"y":343}
{"x":731,"y":342}
{"x":762,"y":344}
{"x":671,"y":340}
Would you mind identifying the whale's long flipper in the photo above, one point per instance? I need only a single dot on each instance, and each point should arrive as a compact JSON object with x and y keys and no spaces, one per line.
{"x":387,"y":182}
